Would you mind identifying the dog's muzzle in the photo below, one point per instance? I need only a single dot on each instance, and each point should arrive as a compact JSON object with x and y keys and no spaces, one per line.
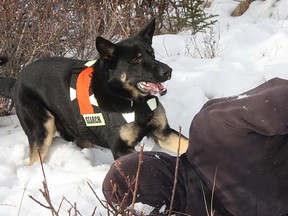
{"x":164,"y":73}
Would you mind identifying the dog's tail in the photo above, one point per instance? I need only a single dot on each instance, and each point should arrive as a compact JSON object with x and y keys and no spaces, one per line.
{"x":6,"y":84}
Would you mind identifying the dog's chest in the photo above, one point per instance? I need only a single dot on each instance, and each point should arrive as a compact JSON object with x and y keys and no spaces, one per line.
{"x":89,"y":115}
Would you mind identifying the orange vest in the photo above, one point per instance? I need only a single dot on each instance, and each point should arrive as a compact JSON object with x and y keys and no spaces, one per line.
{"x":85,"y":105}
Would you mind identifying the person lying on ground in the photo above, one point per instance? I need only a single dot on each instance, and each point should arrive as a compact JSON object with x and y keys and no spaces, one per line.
{"x":236,"y":162}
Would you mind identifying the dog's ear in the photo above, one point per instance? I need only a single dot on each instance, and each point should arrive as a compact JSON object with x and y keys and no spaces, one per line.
{"x":147,"y":32}
{"x":105,"y":48}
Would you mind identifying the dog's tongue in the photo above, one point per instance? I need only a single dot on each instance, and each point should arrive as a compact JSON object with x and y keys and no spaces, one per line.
{"x":156,"y":87}
{"x":152,"y":88}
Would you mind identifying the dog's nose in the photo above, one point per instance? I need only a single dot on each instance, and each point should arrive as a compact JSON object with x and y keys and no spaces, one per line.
{"x":166,"y":73}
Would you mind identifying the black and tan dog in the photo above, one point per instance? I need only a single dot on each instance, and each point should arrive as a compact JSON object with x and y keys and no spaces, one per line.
{"x":111,"y":102}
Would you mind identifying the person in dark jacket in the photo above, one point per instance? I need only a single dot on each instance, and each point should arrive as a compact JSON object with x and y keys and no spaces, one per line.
{"x":236,"y":162}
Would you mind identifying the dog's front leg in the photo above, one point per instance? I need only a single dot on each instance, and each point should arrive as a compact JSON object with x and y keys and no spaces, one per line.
{"x":125,"y":140}
{"x":170,"y":139}
{"x":166,"y":137}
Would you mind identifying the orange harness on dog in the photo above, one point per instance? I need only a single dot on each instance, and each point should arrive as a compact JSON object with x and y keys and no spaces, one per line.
{"x":87,"y":112}
{"x":86,"y":107}
{"x":82,"y":92}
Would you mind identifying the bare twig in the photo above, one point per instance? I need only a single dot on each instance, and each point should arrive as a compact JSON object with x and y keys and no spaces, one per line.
{"x":211,"y":212}
{"x":140,"y":161}
{"x":205,"y":201}
{"x":46,"y":193}
{"x":100,"y":201}
{"x":41,"y":204}
{"x":25,"y":188}
{"x":62,"y":200}
{"x":213,"y":191}
{"x":175,"y":174}
{"x":94,"y":211}
{"x":73,"y":207}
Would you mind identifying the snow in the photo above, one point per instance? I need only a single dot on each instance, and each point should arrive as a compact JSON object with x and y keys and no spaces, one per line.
{"x":250,"y":49}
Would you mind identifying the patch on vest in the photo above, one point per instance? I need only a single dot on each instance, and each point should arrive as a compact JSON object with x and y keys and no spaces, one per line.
{"x":90,"y":63}
{"x":129,"y":117}
{"x":152,"y":103}
{"x":94,"y":119}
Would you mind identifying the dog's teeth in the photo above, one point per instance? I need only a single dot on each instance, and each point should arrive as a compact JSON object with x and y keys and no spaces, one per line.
{"x":144,"y":84}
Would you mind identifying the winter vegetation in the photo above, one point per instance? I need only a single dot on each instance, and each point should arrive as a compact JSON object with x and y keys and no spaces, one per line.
{"x":216,"y":48}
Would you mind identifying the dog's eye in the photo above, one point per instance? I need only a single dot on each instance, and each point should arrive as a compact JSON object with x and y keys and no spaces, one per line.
{"x":137,"y":59}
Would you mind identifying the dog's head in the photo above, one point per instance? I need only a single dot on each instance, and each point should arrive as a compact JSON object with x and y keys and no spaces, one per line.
{"x":133,"y":71}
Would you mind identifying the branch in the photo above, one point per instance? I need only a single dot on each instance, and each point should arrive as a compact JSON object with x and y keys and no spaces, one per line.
{"x":45,"y":193}
{"x":140,"y":161}
{"x":175,"y":174}
{"x":97,"y":197}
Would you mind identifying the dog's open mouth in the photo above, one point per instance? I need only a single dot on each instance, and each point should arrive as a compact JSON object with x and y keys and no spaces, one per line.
{"x":152,"y":88}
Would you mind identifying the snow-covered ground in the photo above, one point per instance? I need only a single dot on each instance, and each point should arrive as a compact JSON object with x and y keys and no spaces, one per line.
{"x":250,"y":49}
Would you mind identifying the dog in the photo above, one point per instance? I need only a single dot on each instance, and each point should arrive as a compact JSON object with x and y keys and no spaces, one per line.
{"x":115,"y":106}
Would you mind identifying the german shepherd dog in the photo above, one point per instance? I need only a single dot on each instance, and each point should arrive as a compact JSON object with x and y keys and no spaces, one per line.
{"x":126,"y":79}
